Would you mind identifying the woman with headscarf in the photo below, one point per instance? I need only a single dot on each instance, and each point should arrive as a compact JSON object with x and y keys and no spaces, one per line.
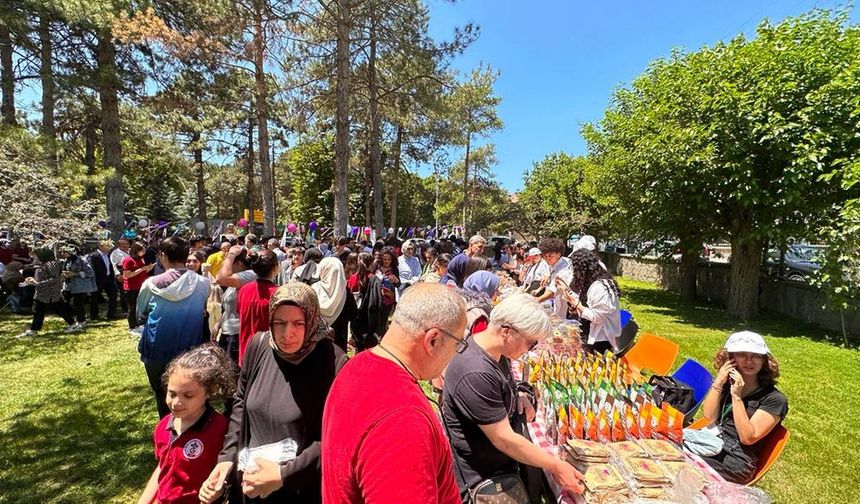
{"x":337,"y":305}
{"x":282,"y":389}
{"x":49,"y":292}
{"x":408,"y":267}
{"x":307,"y":273}
{"x":455,"y":275}
{"x":80,"y":283}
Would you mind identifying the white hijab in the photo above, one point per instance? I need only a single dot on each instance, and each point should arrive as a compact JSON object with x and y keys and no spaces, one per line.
{"x":331,"y":288}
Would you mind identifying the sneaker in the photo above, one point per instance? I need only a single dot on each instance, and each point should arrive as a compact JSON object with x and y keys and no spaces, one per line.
{"x":73,"y":328}
{"x":137,"y":331}
{"x":82,"y":325}
{"x":28,"y":333}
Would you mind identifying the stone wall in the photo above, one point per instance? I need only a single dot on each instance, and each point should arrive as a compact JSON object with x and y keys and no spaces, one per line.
{"x":794,"y":299}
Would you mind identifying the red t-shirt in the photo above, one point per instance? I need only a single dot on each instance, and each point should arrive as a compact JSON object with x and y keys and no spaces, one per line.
{"x":134,"y":283}
{"x":352,"y":282}
{"x":381,"y":440}
{"x":252,"y":302}
{"x":186,"y":460}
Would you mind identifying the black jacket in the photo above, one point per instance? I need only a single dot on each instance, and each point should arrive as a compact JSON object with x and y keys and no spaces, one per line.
{"x":102,"y":273}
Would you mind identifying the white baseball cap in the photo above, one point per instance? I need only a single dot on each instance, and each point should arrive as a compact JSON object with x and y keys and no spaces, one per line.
{"x":534,"y":251}
{"x":747,"y":341}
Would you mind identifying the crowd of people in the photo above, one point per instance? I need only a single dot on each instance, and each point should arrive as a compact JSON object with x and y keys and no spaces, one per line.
{"x":266,"y":324}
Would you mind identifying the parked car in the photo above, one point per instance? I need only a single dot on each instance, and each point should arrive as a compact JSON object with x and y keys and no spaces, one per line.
{"x":801,"y":261}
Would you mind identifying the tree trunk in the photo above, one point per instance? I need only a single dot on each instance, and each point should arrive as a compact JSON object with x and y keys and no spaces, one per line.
{"x":375,"y":152}
{"x":689,"y":265}
{"x":261,"y":95}
{"x":395,"y":175}
{"x":201,"y":181}
{"x":111,"y":146}
{"x":90,"y":142}
{"x":466,"y":180}
{"x":249,"y":194}
{"x":368,"y":189}
{"x":341,"y":145}
{"x":46,"y":74}
{"x":744,"y":277}
{"x":7,"y":76}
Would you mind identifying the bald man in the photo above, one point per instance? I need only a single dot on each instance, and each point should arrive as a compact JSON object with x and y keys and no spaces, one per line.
{"x":381,"y":440}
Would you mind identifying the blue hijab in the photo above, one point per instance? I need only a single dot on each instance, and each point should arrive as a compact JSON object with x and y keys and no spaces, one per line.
{"x":485,"y":282}
{"x":456,"y":269}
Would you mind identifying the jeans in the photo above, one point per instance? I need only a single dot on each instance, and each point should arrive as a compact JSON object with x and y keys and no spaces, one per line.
{"x":230,"y":344}
{"x":40,"y":309}
{"x":154,"y":372}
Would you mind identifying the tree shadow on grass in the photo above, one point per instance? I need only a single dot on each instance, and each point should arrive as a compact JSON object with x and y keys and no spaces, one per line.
{"x":713,"y":316}
{"x":71,"y":448}
{"x":51,"y":339}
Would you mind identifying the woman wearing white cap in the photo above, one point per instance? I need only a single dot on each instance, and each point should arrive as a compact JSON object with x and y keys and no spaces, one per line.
{"x":744,"y":403}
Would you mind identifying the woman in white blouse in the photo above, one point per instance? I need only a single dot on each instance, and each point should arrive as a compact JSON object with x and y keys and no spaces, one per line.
{"x":408,"y":266}
{"x":593,"y":296}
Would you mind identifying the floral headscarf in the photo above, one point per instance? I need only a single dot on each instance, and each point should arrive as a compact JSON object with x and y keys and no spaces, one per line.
{"x":316,"y":329}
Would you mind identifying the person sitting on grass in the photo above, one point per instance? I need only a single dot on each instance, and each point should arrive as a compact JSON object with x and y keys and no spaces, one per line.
{"x":187,"y":441}
{"x":745,"y":403}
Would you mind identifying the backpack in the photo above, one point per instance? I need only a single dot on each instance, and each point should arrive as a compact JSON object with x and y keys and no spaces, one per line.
{"x":678,"y":394}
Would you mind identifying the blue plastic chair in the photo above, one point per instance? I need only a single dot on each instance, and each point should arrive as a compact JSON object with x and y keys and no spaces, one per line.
{"x":698,"y":378}
{"x":625,"y":317}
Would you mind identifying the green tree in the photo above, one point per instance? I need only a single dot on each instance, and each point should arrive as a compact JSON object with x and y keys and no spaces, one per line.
{"x":472,"y":114}
{"x":552,"y":200}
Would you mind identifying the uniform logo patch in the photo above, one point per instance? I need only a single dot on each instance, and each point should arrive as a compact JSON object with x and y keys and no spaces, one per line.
{"x":193,"y":449}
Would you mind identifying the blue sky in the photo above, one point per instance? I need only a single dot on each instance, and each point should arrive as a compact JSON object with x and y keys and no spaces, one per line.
{"x":560,"y":60}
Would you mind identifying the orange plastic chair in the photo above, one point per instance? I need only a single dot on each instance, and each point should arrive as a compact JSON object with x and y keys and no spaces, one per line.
{"x":653,"y":353}
{"x":701,"y":423}
{"x":770,"y":451}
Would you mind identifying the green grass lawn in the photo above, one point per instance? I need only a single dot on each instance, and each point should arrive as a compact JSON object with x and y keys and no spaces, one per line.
{"x":76,"y":414}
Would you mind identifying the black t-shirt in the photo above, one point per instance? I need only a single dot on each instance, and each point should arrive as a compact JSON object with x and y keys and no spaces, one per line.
{"x":767,"y":399}
{"x":478,"y":391}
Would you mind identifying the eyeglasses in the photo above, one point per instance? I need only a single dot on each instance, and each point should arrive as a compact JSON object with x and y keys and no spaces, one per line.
{"x":462,"y":344}
{"x":532,"y":344}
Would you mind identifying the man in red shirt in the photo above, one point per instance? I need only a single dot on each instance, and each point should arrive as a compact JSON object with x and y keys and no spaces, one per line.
{"x":381,"y":440}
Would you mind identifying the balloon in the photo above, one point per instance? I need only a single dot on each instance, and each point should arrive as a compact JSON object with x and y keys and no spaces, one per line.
{"x":367,"y":230}
{"x":355,"y":230}
{"x":291,"y":227}
{"x":400,"y":230}
{"x":312,"y":225}
{"x":390,"y":230}
{"x":243,"y":222}
{"x":200,"y":226}
{"x":143,"y":223}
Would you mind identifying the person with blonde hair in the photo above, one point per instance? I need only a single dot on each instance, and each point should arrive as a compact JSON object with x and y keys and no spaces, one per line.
{"x":481,"y":399}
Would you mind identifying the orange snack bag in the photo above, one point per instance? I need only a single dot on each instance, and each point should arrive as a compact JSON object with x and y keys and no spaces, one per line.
{"x":617,"y":427}
{"x":645,"y":421}
{"x":590,"y":426}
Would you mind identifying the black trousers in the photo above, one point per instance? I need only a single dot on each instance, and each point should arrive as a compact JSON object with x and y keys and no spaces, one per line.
{"x":154,"y":371}
{"x":40,"y":309}
{"x":131,"y":299}
{"x":123,"y":304}
{"x":109,"y":288}
{"x":79,"y":301}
